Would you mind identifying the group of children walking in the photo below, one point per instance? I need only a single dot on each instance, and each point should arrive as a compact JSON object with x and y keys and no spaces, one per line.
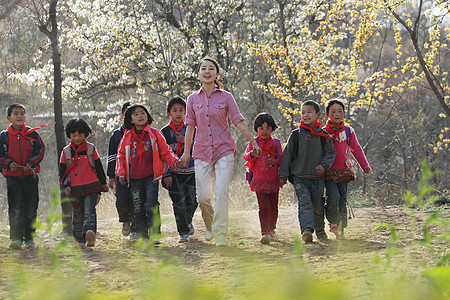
{"x":139,"y":156}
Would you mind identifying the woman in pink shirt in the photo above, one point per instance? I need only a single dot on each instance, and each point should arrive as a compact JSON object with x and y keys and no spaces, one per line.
{"x":214,"y":148}
{"x":344,"y":139}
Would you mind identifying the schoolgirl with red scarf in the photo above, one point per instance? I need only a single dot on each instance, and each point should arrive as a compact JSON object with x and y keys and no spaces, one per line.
{"x":264,"y":179}
{"x":143,"y":158}
{"x":82,"y":179}
{"x":21,"y":152}
{"x":344,"y":139}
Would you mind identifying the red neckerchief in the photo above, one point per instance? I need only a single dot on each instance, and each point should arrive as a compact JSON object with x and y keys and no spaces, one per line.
{"x":139,"y":138}
{"x":25,"y":132}
{"x":318,"y":124}
{"x":265,"y":147}
{"x":174,"y":127}
{"x":331,"y":129}
{"x":77,"y":149}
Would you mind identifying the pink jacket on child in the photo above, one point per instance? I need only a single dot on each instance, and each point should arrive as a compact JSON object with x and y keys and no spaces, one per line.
{"x":343,"y":145}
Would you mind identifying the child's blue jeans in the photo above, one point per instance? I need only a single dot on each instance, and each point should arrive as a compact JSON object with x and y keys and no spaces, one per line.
{"x":23,"y":199}
{"x":146,"y":206}
{"x":310,"y":203}
{"x":336,"y":207}
{"x":84,"y":216}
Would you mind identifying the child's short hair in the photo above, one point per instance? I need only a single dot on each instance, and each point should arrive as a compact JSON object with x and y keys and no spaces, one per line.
{"x":175,"y":100}
{"x":125,"y":107}
{"x":127,"y":121}
{"x":79,"y":125}
{"x":313,"y":104}
{"x":331,"y":102}
{"x":264,"y":118}
{"x":12,"y":106}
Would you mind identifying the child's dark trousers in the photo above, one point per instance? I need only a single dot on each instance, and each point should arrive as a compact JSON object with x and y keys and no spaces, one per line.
{"x":184,"y":200}
{"x":84,"y":216}
{"x":23,"y":199}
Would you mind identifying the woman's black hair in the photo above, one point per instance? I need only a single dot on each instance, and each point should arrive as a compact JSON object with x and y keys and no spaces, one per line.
{"x":79,"y":125}
{"x":264,"y":118}
{"x":127,"y":123}
{"x":331,"y":102}
{"x":216,"y":64}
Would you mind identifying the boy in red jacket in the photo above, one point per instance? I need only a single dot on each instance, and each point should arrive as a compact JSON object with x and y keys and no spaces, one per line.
{"x":21,"y":152}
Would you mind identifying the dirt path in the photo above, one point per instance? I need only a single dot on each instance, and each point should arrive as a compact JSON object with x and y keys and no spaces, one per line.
{"x":116,"y":267}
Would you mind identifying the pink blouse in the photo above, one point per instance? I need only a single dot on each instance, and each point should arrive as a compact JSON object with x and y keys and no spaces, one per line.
{"x":213,"y":139}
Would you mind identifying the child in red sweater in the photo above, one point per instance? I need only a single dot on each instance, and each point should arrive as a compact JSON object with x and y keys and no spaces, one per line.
{"x":143,"y":158}
{"x":264,"y":169}
{"x":82,"y":179}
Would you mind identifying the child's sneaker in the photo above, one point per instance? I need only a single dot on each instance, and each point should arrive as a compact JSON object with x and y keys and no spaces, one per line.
{"x":134,"y":236}
{"x":90,"y":238}
{"x":307,"y":236}
{"x":273,"y":236}
{"x":191,"y":229}
{"x":322,"y":236}
{"x":29,"y":244}
{"x":80,"y":245}
{"x":126,"y":228}
{"x":334,"y":228}
{"x":184,"y":238}
{"x":15,"y":245}
{"x":265,"y":239}
{"x":157,"y":242}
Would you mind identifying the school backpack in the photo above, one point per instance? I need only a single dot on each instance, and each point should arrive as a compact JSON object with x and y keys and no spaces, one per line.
{"x":68,"y":156}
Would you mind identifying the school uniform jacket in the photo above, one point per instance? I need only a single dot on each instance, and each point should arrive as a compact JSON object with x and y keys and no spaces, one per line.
{"x":163,"y":156}
{"x":18,"y":149}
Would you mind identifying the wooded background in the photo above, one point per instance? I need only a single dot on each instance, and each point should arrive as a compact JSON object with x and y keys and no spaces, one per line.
{"x":388,"y":60}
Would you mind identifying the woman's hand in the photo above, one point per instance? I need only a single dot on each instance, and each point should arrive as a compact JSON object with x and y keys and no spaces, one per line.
{"x":184,"y":160}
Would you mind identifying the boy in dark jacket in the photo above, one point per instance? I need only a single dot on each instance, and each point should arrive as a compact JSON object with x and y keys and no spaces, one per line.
{"x":309,"y":153}
{"x":124,"y":201}
{"x":21,"y":152}
{"x":180,"y":182}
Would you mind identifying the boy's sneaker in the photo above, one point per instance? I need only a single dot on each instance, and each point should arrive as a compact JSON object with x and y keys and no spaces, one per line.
{"x":307,"y":236}
{"x":208,"y":235}
{"x":322,"y":236}
{"x":80,"y":244}
{"x":29,"y":244}
{"x":126,"y":228}
{"x":334,"y":228}
{"x":15,"y":245}
{"x":191,"y":229}
{"x":134,"y":236}
{"x":265,"y":239}
{"x":90,"y":238}
{"x":184,"y":238}
{"x":157,"y":242}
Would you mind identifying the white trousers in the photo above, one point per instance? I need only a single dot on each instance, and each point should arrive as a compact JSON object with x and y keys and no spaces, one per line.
{"x":215,"y":220}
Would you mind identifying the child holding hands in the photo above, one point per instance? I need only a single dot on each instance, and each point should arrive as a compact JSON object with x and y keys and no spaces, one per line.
{"x":142,"y":159}
{"x":82,"y":179}
{"x":264,"y":169}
